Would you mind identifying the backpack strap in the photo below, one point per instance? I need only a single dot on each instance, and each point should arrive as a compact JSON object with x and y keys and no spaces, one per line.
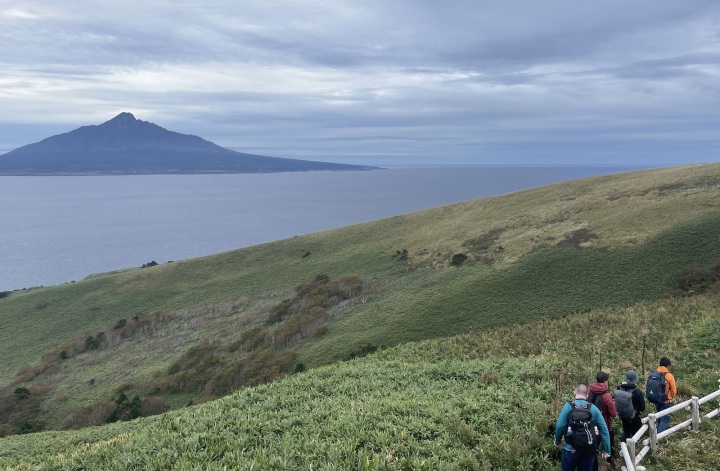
{"x":574,"y":405}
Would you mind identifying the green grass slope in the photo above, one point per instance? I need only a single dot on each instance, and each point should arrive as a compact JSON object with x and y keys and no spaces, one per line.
{"x":549,"y":282}
{"x":475,"y":401}
{"x":539,"y":253}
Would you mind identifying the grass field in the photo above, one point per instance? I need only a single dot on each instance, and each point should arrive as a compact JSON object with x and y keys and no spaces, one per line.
{"x":536,"y":254}
{"x":474,"y":401}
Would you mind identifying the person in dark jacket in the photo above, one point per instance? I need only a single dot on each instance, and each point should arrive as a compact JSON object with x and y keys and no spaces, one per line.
{"x":631,"y":426}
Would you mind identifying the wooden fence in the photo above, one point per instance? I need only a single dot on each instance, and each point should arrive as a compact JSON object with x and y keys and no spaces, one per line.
{"x":628,"y":450}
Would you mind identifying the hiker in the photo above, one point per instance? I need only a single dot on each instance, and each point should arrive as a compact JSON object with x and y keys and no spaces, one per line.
{"x":601,"y":397}
{"x":579,"y":422}
{"x":660,"y":389}
{"x":630,"y":403}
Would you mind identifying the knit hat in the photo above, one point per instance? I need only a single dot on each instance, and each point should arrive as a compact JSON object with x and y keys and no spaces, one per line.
{"x":631,"y":377}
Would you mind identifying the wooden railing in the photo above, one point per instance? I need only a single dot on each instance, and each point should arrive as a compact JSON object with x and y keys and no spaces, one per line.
{"x":632,"y":458}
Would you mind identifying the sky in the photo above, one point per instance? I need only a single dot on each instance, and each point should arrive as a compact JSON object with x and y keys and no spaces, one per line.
{"x":378,"y":82}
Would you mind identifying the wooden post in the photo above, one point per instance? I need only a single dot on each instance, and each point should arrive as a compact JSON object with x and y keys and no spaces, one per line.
{"x":652,"y":431}
{"x":630,"y":443}
{"x":695,"y":413}
{"x":629,"y":463}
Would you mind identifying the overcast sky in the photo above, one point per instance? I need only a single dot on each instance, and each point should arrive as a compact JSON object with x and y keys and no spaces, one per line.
{"x":376,"y":81}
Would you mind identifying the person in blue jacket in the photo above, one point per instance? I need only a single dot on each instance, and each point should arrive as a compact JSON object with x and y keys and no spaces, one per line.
{"x":573,"y":459}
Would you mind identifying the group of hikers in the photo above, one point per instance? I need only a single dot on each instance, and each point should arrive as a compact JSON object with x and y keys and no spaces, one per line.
{"x":587,"y":422}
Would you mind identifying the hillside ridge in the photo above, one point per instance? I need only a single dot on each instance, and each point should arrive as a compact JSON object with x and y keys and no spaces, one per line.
{"x":209,"y":325}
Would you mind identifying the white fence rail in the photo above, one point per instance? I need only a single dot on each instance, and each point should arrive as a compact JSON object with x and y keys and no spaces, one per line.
{"x":628,"y":450}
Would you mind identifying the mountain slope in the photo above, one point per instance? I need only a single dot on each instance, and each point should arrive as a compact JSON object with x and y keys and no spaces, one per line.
{"x":262,"y":312}
{"x":474,"y":401}
{"x":126,"y":145}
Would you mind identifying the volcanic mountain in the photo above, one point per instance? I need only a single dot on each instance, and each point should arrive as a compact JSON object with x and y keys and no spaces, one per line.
{"x":126,"y":145}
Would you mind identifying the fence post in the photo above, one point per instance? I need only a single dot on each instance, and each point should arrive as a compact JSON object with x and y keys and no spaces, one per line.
{"x":695,"y":413}
{"x":625,"y":454}
{"x":631,"y":448}
{"x":652,"y":431}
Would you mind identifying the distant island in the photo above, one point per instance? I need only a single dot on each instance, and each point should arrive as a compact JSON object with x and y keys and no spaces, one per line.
{"x":125,"y":145}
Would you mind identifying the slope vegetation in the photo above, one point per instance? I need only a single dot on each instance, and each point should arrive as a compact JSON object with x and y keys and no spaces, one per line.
{"x":190,"y":331}
{"x":474,"y":401}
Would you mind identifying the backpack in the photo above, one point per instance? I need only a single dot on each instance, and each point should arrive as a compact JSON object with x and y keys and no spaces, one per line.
{"x":597,"y":400}
{"x":623,"y":403}
{"x":580,"y":431}
{"x":655,"y":388}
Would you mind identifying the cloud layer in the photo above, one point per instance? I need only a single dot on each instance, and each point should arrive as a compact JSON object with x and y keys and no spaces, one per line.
{"x":376,"y":81}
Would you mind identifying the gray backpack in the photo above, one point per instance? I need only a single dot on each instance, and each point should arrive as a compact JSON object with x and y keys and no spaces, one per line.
{"x":623,"y":403}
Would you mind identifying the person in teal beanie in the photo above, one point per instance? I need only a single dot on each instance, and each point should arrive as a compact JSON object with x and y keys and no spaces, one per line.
{"x":581,"y":459}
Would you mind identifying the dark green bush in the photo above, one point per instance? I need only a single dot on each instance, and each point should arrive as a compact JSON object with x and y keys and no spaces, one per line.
{"x":90,"y":343}
{"x":401,"y":255}
{"x":458,"y":259}
{"x":21,"y":393}
{"x":125,"y":408}
{"x":322,"y":278}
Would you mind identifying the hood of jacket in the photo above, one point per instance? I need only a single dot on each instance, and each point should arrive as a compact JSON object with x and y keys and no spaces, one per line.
{"x":599,"y":388}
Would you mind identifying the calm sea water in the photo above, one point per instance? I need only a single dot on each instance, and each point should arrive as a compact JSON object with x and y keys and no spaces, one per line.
{"x":59,"y":229}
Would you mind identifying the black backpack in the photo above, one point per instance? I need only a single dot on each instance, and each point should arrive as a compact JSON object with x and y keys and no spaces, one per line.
{"x":655,"y":388}
{"x":596,"y":399}
{"x":624,"y":404}
{"x":580,"y":432}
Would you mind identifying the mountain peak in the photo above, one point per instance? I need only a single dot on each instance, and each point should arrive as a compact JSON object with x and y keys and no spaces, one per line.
{"x":123,"y":118}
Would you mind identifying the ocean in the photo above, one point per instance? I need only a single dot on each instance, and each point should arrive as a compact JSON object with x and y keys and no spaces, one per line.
{"x":63,"y":228}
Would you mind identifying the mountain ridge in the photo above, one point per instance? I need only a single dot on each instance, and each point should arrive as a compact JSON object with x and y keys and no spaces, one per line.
{"x":127,"y":145}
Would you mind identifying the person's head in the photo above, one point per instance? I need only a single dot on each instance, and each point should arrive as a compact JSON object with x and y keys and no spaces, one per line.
{"x":631,"y":377}
{"x":665,"y":361}
{"x":581,"y":391}
{"x":602,"y":377}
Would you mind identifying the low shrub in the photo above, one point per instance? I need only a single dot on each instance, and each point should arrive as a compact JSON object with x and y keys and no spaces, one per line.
{"x":458,"y":259}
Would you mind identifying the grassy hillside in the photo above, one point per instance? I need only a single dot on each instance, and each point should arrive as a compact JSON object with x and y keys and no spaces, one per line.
{"x":549,"y":282}
{"x":474,"y":401}
{"x":196,"y":329}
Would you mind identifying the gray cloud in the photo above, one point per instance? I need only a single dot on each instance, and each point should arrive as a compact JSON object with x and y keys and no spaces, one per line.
{"x":513,"y":81}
